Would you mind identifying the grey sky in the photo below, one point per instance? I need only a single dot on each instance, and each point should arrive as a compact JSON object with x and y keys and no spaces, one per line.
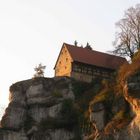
{"x":32,"y":31}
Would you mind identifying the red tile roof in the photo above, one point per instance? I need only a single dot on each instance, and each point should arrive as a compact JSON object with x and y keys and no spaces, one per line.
{"x":96,"y":58}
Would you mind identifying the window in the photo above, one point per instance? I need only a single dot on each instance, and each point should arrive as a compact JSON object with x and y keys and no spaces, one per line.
{"x":77,"y":68}
{"x":89,"y":72}
{"x":66,"y":59}
{"x":84,"y":69}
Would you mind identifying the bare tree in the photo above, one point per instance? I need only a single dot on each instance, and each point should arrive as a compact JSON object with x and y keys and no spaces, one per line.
{"x":127,"y":40}
{"x":39,"y":70}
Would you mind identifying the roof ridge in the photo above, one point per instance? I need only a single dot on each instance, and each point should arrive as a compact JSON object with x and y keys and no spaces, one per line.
{"x":105,"y":53}
{"x":109,"y":54}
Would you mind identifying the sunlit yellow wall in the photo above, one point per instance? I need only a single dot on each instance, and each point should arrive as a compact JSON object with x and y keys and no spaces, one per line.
{"x":63,"y":66}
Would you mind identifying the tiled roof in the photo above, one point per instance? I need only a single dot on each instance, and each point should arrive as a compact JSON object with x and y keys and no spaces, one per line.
{"x":96,"y":58}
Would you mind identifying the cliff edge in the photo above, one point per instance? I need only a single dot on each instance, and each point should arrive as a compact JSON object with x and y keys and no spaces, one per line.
{"x":37,"y":110}
{"x":63,"y":108}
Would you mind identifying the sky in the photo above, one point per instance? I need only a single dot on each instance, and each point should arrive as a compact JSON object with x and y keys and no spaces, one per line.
{"x":33,"y":31}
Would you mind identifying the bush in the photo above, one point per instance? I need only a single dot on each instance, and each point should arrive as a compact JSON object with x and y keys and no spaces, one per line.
{"x":84,"y":92}
{"x":129,"y":69}
{"x":119,"y":121}
{"x":79,"y":88}
{"x":105,"y":93}
{"x":126,"y":71}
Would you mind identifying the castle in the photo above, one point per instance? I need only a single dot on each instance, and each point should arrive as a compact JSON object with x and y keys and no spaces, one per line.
{"x":85,"y":64}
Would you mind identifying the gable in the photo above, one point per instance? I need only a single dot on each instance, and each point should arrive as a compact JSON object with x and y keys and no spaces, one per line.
{"x":63,"y":51}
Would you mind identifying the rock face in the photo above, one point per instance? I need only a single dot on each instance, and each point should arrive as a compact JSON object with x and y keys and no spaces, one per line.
{"x":44,"y":109}
{"x":97,"y":115}
{"x":131,"y":129}
{"x":53,"y":135}
{"x":132,"y":95}
{"x":32,"y":103}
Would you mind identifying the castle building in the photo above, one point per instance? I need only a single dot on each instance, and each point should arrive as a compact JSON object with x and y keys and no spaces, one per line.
{"x":85,"y":64}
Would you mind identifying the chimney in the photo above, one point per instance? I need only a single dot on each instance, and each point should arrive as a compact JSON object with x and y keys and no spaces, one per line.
{"x":75,"y":43}
{"x":88,"y":46}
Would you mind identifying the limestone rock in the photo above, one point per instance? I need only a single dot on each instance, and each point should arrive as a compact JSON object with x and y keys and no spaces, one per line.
{"x":33,"y":101}
{"x":97,"y":115}
{"x":39,"y":113}
{"x":132,"y":95}
{"x":12,"y":135}
{"x":60,"y":134}
{"x":14,"y":116}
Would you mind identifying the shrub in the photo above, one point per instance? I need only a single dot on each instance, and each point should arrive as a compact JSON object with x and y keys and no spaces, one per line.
{"x":101,"y":96}
{"x":79,"y":88}
{"x":126,"y":71}
{"x":105,"y":93}
{"x":129,"y":69}
{"x":84,"y":92}
{"x":118,"y":122}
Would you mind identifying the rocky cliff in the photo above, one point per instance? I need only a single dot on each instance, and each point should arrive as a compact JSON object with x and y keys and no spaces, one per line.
{"x":36,"y":110}
{"x":115,"y":110}
{"x":117,"y":117}
{"x":62,"y":108}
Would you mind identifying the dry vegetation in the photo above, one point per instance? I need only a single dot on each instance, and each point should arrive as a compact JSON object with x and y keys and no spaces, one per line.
{"x":122,"y":118}
{"x":128,"y":70}
{"x":118,"y":122}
